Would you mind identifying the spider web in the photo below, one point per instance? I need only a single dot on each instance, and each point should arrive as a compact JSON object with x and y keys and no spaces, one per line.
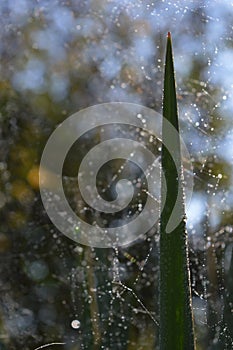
{"x":116,"y":292}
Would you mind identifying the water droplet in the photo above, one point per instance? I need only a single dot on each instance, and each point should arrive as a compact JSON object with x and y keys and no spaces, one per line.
{"x":75,"y":324}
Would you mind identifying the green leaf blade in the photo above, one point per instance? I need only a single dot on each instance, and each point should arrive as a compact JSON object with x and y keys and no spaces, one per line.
{"x":176,"y":320}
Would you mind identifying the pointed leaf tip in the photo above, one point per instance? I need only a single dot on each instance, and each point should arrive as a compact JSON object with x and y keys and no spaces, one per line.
{"x":169,"y":35}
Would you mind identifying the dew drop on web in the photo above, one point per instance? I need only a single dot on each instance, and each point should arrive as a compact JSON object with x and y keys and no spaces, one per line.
{"x":75,"y":324}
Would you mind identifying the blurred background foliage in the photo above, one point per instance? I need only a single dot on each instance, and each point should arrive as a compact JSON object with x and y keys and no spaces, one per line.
{"x":58,"y":57}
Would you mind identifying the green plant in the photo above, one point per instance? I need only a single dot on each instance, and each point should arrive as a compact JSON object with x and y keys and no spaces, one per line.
{"x":176,"y":319}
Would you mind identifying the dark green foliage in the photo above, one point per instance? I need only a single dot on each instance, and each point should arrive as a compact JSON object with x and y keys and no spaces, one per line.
{"x":176,"y":321}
